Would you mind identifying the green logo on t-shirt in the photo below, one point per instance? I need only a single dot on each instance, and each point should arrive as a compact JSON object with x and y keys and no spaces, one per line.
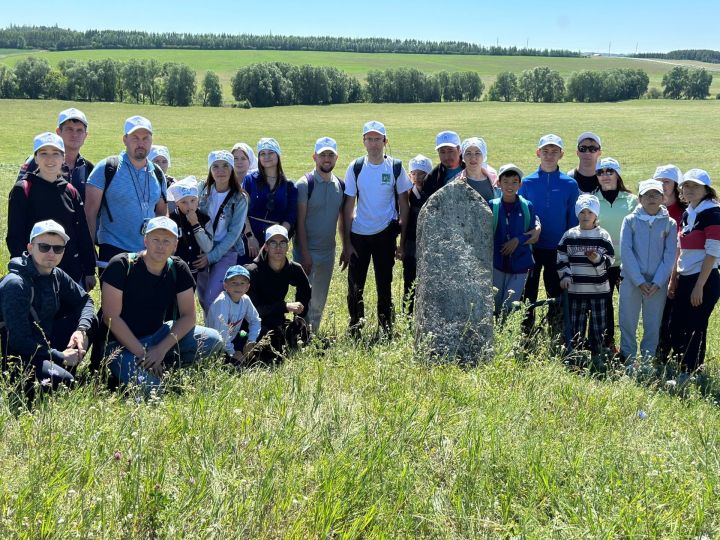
{"x":385,"y":179}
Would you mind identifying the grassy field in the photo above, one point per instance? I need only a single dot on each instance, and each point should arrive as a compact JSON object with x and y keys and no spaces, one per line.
{"x":369,"y":440}
{"x":226,"y":63}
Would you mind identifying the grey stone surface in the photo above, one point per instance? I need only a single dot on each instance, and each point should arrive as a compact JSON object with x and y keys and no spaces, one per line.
{"x":454,"y":292}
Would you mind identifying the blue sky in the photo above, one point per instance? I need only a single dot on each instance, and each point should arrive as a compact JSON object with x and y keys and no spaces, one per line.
{"x":586,"y":25}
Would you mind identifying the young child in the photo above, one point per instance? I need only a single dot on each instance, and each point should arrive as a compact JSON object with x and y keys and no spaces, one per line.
{"x":193,"y":238}
{"x":584,"y":255}
{"x":160,"y":156}
{"x":648,"y":242}
{"x":230,"y":309}
{"x":513,"y":217}
{"x":418,"y":167}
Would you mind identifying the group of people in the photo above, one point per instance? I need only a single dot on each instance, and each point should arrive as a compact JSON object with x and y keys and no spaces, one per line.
{"x":160,"y":239}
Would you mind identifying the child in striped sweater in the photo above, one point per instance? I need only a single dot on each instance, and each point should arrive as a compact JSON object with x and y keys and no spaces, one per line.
{"x":584,"y":254}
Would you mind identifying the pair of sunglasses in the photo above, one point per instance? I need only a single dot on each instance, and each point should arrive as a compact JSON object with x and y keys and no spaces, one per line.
{"x":44,"y":248}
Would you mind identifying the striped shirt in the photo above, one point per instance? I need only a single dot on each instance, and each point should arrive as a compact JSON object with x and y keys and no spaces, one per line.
{"x":699,"y":236}
{"x":589,"y":280}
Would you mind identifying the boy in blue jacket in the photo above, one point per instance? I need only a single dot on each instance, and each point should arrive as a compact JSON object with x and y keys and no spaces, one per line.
{"x":513,"y":217}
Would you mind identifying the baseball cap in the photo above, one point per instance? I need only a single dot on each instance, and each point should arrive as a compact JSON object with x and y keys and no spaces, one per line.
{"x":220,"y":155}
{"x":588,"y":201}
{"x":669,"y":171}
{"x":608,"y":163}
{"x":549,"y":139}
{"x":699,"y":176}
{"x":510,"y":167}
{"x":649,"y":185}
{"x":159,"y":150}
{"x":420,"y":163}
{"x":325,"y":143}
{"x":276,"y":230}
{"x":71,"y":114}
{"x":48,"y":139}
{"x":477,"y":142}
{"x":236,"y":270}
{"x":373,"y":126}
{"x":187,"y":187}
{"x":447,"y":138}
{"x":137,"y":122}
{"x":589,"y":135}
{"x":48,"y":226}
{"x":268,"y":143}
{"x":161,"y":222}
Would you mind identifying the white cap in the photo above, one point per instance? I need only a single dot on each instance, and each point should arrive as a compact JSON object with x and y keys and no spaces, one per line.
{"x":137,"y":122}
{"x":510,"y":167}
{"x":649,"y":185}
{"x":159,"y":150}
{"x":71,"y":114}
{"x":48,"y":139}
{"x":375,"y":127}
{"x":608,"y":163}
{"x":161,"y":222}
{"x":549,"y":139}
{"x":48,"y":226}
{"x":477,"y":142}
{"x":447,"y":138}
{"x":669,"y":171}
{"x":420,"y":163}
{"x":591,"y":202}
{"x":589,"y":135}
{"x":699,"y":176}
{"x":220,"y":155}
{"x":325,"y":143}
{"x":187,"y":187}
{"x":274,"y":230}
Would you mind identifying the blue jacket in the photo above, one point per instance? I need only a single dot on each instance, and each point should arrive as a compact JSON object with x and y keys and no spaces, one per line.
{"x":511,"y":226}
{"x":235,"y":212}
{"x":276,"y":206}
{"x":553,"y":195}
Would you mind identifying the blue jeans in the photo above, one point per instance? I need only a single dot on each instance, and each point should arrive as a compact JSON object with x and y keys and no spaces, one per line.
{"x":196,"y":345}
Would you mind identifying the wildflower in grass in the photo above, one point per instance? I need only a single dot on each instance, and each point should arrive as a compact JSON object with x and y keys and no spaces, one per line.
{"x":45,"y":382}
{"x":117,"y":455}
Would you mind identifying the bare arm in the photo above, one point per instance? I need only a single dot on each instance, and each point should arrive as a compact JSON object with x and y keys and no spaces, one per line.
{"x":93,"y":197}
{"x":301,"y":238}
{"x":347,"y":251}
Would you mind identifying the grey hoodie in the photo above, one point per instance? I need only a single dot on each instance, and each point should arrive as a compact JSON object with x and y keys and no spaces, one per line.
{"x":648,"y":247}
{"x":52,"y":295}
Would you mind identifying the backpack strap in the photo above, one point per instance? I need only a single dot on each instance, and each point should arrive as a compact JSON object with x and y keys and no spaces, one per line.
{"x":111,"y":166}
{"x":160,"y":177}
{"x":310,"y":177}
{"x":525,"y":212}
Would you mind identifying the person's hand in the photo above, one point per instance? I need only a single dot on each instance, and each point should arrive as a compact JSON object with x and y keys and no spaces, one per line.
{"x":509,"y":247}
{"x":565,"y":283}
{"x":201,"y":262}
{"x":533,"y":235}
{"x":645,"y":289}
{"x":152,"y":361}
{"x":696,"y":297}
{"x":79,"y":342}
{"x":672,"y":286}
{"x":399,"y":252}
{"x":306,"y":261}
{"x":295,"y":307}
{"x":71,"y":357}
{"x":90,"y":282}
{"x":253,"y":247}
{"x":593,"y":255}
{"x":249,"y":346}
{"x":347,"y":254}
{"x":653,"y":289}
{"x":192,"y":217}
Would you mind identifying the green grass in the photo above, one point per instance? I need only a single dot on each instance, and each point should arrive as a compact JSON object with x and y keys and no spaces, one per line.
{"x":370,"y":440}
{"x":226,"y":63}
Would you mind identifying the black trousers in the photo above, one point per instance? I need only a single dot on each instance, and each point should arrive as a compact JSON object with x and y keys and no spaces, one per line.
{"x":545,"y":262}
{"x":379,"y":247}
{"x":409,"y":275}
{"x":613,"y":274}
{"x":688,"y":324}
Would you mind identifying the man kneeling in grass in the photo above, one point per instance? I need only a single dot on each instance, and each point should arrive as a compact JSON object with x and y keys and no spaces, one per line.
{"x":148,"y":305}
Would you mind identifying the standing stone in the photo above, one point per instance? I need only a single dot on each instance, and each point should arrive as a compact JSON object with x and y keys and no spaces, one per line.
{"x":454,"y":293}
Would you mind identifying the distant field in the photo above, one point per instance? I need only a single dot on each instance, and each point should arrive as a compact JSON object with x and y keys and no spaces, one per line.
{"x":226,"y":63}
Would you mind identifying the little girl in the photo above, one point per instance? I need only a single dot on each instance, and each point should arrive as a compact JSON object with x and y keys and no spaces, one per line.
{"x":584,"y":255}
{"x":648,"y":242}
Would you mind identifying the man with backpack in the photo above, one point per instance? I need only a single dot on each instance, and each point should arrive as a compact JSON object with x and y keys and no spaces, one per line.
{"x":124,"y":192}
{"x":148,"y":310}
{"x":320,"y":200}
{"x":376,"y":189}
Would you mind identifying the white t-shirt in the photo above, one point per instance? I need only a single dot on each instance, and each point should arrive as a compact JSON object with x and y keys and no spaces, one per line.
{"x":217,"y":200}
{"x":376,"y":201}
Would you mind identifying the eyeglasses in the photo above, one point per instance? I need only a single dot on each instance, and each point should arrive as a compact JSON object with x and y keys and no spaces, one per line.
{"x":592,"y":149}
{"x":605,"y":172}
{"x":275,"y":244}
{"x":44,"y":248}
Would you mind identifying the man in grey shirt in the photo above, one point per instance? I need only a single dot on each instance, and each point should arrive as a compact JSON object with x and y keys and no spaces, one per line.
{"x":320,"y":198}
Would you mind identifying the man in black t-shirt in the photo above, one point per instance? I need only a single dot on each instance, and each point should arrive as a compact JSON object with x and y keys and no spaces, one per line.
{"x":148,"y":305}
{"x":589,"y":150}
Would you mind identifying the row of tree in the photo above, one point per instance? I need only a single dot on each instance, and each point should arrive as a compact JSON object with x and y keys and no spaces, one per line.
{"x":699,"y":55}
{"x":140,"y":81}
{"x":684,"y":83}
{"x":54,"y":38}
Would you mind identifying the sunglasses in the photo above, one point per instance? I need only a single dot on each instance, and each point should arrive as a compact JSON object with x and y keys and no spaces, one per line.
{"x":605,"y":172}
{"x":592,"y":149}
{"x":44,"y":248}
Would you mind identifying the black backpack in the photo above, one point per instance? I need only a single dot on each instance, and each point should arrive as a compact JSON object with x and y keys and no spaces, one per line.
{"x":111,"y":166}
{"x":357,"y":167}
{"x":310,"y":177}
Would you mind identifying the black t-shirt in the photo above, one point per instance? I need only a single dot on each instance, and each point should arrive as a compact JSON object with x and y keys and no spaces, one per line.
{"x":587,"y":184}
{"x":148,"y":300}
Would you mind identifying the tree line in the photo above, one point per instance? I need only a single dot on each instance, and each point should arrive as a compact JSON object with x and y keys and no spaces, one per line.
{"x":278,"y":83}
{"x":61,"y":39}
{"x":699,"y":55}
